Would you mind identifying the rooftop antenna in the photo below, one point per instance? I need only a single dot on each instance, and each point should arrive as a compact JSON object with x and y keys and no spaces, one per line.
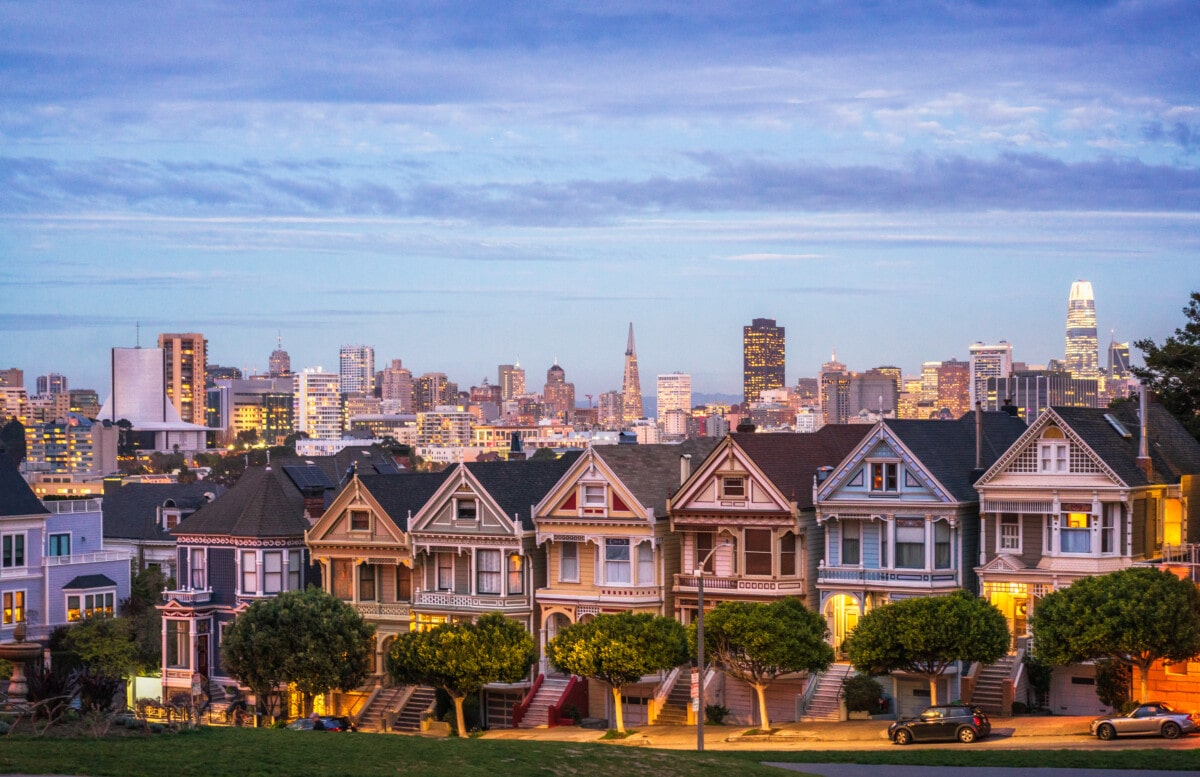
{"x":138,"y":337}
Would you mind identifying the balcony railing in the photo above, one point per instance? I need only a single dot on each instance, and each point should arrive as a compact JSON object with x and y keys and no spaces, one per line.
{"x":189,"y":595}
{"x":715,"y":584}
{"x":1187,"y":555}
{"x":86,"y":558}
{"x":896,"y":577}
{"x":481,"y":602}
{"x":378,"y":609}
{"x":73,"y":505}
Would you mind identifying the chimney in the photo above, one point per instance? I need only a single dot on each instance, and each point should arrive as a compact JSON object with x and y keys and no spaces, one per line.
{"x":978,"y":434}
{"x":685,"y":468}
{"x":1143,"y":456}
{"x":314,"y":504}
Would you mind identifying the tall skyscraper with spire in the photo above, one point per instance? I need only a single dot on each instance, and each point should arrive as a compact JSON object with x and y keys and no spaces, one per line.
{"x":763,"y":357}
{"x":631,"y":387}
{"x":279,"y":364}
{"x":1083,"y":349}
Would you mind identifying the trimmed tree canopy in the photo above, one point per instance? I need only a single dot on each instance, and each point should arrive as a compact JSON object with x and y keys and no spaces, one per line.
{"x":619,"y":649}
{"x":1172,"y":370}
{"x":461,"y":658}
{"x":927,"y":635}
{"x":757,"y":642}
{"x":1136,"y":616}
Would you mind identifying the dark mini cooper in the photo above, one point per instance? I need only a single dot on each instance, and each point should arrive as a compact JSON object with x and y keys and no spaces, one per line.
{"x":942,"y":722}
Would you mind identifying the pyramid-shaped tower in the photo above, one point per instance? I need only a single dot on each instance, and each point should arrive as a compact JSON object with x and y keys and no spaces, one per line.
{"x":631,"y":387}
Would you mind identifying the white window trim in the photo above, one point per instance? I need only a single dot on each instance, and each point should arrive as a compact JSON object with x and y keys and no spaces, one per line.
{"x":743,"y":481}
{"x":628,"y":562}
{"x":561,"y":577}
{"x":437,"y":578}
{"x":649,"y":546}
{"x":24,"y":535}
{"x":501,"y":571}
{"x":241,"y":578}
{"x":193,"y":553}
{"x":351,"y":512}
{"x":458,"y":501}
{"x":84,"y":592}
{"x":70,"y":543}
{"x":885,"y":463}
{"x":1020,"y":535}
{"x":602,"y":502}
{"x":24,"y":606}
{"x":1054,"y":456}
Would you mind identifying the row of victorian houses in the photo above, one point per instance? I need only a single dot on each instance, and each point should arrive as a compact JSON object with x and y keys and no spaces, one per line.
{"x":847,"y":519}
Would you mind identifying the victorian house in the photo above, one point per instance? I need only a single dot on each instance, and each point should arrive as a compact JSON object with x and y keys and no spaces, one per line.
{"x":745,"y":515}
{"x":139,"y":517}
{"x":901,"y":519}
{"x":1084,"y":491}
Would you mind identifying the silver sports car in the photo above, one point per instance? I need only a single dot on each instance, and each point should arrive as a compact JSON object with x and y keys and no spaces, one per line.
{"x":1153,"y":718}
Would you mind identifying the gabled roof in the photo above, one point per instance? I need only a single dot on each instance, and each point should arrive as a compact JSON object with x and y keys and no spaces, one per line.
{"x":263,"y":503}
{"x":516,"y":486}
{"x":651,"y":472}
{"x":946,"y":449}
{"x":130,"y":511}
{"x":403,"y":495}
{"x":16,"y":497}
{"x":1173,"y":452}
{"x":791,"y":460}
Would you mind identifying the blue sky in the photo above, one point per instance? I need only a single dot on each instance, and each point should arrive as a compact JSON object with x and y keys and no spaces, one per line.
{"x":466,"y":184}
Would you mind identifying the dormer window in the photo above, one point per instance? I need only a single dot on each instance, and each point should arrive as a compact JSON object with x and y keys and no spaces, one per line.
{"x":1053,"y":452}
{"x":885,"y":477}
{"x":465,"y":510}
{"x":593,"y":496}
{"x":360,"y":520}
{"x":733,"y":487}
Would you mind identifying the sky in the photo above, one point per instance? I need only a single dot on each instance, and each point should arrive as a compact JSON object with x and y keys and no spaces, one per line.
{"x":461,"y":185}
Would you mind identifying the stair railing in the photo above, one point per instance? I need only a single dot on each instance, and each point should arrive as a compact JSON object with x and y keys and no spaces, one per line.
{"x":574,"y":695}
{"x":661,"y":693}
{"x":356,"y":716}
{"x":521,"y":707}
{"x":810,"y":690}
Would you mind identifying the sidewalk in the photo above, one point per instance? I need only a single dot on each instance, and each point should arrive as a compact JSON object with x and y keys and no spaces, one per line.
{"x":790,"y":735}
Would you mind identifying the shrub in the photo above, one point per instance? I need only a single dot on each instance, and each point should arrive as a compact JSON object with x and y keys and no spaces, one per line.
{"x":716,"y":713}
{"x":1113,"y":680}
{"x":1039,"y":674}
{"x":863,"y":693}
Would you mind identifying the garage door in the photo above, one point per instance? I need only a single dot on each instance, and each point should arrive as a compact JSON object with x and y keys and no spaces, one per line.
{"x":1074,"y":693}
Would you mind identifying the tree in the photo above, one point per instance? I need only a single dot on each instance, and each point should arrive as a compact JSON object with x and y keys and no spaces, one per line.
{"x":927,"y":635}
{"x":145,"y":621}
{"x":619,"y":649}
{"x":105,"y":645}
{"x":308,"y":638}
{"x":1172,"y":371}
{"x":1135,"y":616}
{"x":757,"y":642}
{"x":461,"y":658}
{"x":12,"y":440}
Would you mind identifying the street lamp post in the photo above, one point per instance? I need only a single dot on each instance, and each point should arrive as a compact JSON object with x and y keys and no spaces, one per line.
{"x":700,"y":711}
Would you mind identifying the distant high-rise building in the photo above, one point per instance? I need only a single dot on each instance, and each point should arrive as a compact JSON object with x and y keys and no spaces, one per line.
{"x":279,"y":364}
{"x":763,"y":358}
{"x":674,"y":393}
{"x":929,"y":382}
{"x":185,"y":358}
{"x":631,"y":385}
{"x":954,"y":388}
{"x":317,"y":404}
{"x":1118,"y":360}
{"x":834,"y":386}
{"x":608,"y":413}
{"x":1083,"y":350}
{"x":356,"y":369}
{"x":511,"y":378}
{"x":86,"y":402}
{"x":51,"y":384}
{"x":558,"y":395}
{"x":1032,"y":391}
{"x":12,"y":377}
{"x":988,"y":361}
{"x":397,"y":386}
{"x":433,"y":390}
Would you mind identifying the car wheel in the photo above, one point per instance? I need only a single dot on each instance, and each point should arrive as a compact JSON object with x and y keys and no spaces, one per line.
{"x":1171,"y":730}
{"x":1106,"y":731}
{"x":903,"y":737}
{"x":966,"y":735}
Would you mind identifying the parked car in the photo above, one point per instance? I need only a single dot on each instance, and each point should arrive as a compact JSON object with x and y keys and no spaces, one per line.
{"x":1152,"y":718}
{"x":942,"y":722}
{"x":327,"y":723}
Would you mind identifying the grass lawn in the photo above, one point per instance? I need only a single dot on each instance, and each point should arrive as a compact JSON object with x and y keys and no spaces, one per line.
{"x":269,"y":753}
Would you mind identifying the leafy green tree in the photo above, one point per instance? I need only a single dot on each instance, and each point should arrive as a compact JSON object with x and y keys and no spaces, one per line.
{"x":1135,"y":616}
{"x":757,"y":642}
{"x":461,"y":658}
{"x":105,"y":645}
{"x":12,"y":440}
{"x":927,"y":635}
{"x":308,"y":638}
{"x":1172,"y":370}
{"x":145,"y":621}
{"x":619,"y":649}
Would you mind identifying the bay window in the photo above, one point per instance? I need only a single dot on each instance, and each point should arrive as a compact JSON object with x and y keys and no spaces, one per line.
{"x":178,"y":645}
{"x":704,"y":546}
{"x":487,"y":571}
{"x":1108,"y":533}
{"x":616,"y":561}
{"x":366,"y":583}
{"x":645,"y":564}
{"x":516,"y":577}
{"x":941,"y":545}
{"x":249,"y":573}
{"x":82,"y":606}
{"x":758,"y":551}
{"x":1010,"y":532}
{"x":787,"y":555}
{"x":1075,"y":533}
{"x":272,"y":572}
{"x":568,"y":562}
{"x":851,"y":542}
{"x":910,"y":543}
{"x":445,"y":572}
{"x":294,"y":575}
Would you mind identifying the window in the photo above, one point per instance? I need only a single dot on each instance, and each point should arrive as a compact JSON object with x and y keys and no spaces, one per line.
{"x":941,"y":545}
{"x":198,"y":567}
{"x":58,"y":545}
{"x":883,"y":544}
{"x":758,"y":551}
{"x":851,"y":542}
{"x":704,"y":546}
{"x":360,"y":520}
{"x":593,"y":496}
{"x":885,"y":476}
{"x":464,"y":510}
{"x":343,"y":580}
{"x":1053,"y":452}
{"x":445,"y":572}
{"x":516,"y":578}
{"x":90,"y":605}
{"x":13,"y":551}
{"x":294,"y":572}
{"x":1010,"y":532}
{"x":13,"y":607}
{"x":568,"y":562}
{"x":249,"y":572}
{"x":787,"y":555}
{"x":733,"y":487}
{"x":1075,"y":533}
{"x":487,"y":571}
{"x":366,"y":582}
{"x":910,"y":543}
{"x":1108,"y":533}
{"x":272,"y":572}
{"x":645,"y":563}
{"x":178,"y":645}
{"x":616,"y":561}
{"x":403,"y":583}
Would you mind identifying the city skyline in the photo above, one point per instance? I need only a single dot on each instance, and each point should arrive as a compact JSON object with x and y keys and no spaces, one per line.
{"x":466,"y":186}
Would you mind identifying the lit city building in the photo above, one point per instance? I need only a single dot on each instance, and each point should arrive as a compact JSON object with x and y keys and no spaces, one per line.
{"x":1118,"y":360}
{"x":356,"y":369}
{"x":1083,"y":350}
{"x":185,"y":360}
{"x":317,"y":404}
{"x":558,"y":395}
{"x":279,"y":363}
{"x":53,"y":383}
{"x":674,"y":393}
{"x":631,"y":385}
{"x":763,"y":358}
{"x":511,"y":378}
{"x":396,"y":387}
{"x":988,"y":361}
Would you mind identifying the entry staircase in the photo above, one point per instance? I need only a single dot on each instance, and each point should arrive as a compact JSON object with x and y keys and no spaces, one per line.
{"x":989,"y":685}
{"x":374,"y":715}
{"x":825,"y":701}
{"x":674,"y":711}
{"x":537,"y":715}
{"x":418,"y":703}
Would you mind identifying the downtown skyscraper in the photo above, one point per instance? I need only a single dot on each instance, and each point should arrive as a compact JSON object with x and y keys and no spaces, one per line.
{"x":1083,"y":349}
{"x":356,"y":369}
{"x":631,"y":385}
{"x":185,"y":358}
{"x":763,"y":356}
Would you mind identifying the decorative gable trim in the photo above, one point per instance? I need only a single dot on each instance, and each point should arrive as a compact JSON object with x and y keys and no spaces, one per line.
{"x":466,"y":484}
{"x":1003,"y":563}
{"x":1028,"y":441}
{"x":729,"y":459}
{"x":852,"y":470}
